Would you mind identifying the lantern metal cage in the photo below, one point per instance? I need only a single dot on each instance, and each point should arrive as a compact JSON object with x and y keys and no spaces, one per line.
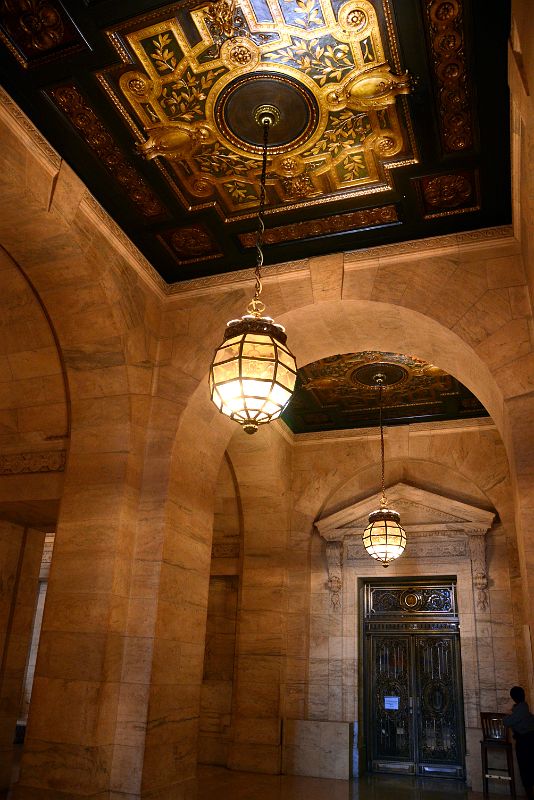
{"x":253,"y":374}
{"x":384,"y":538}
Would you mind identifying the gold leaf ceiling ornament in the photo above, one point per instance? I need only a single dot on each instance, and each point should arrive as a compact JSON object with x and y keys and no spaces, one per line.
{"x":337,"y":393}
{"x":190,"y":102}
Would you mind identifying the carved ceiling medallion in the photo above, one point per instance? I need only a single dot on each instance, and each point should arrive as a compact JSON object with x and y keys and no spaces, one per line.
{"x":339,"y":392}
{"x":37,"y":31}
{"x":190,"y":103}
{"x":449,"y":193}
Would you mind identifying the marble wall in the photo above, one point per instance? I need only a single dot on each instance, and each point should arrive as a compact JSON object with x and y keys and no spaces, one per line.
{"x":216,"y":699}
{"x":217,"y":694}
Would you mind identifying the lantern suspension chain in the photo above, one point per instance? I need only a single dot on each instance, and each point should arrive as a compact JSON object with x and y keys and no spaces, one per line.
{"x":383,"y":500}
{"x":256,"y":307}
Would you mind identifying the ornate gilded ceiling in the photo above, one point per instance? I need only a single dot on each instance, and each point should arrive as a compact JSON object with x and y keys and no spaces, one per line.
{"x":334,"y":393}
{"x":392,"y":118}
{"x":191,"y":104}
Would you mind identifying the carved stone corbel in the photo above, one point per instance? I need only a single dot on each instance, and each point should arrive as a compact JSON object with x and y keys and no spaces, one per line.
{"x":334,"y":560}
{"x":477,"y":549}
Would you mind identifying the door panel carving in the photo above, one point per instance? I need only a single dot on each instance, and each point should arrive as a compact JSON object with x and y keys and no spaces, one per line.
{"x":412,"y":669}
{"x":392,"y":729}
{"x":436,"y":686}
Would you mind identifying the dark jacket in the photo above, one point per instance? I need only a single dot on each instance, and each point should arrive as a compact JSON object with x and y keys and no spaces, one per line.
{"x":520,"y":720}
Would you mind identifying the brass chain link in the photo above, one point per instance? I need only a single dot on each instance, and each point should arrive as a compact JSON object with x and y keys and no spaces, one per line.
{"x":383,"y":499}
{"x":256,"y":307}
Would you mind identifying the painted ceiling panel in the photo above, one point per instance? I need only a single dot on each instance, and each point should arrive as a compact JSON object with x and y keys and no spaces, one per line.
{"x":334,"y":393}
{"x":392,"y":119}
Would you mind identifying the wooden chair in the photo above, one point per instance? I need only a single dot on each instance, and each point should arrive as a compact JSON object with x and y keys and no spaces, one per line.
{"x":496,"y":736}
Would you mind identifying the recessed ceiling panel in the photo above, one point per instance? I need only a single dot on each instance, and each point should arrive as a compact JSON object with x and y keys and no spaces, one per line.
{"x":331,"y":71}
{"x":391,"y":119}
{"x":338,"y":392}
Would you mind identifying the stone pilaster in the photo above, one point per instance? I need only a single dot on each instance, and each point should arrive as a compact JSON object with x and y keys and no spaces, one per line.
{"x":263,"y":471}
{"x":20,"y":560}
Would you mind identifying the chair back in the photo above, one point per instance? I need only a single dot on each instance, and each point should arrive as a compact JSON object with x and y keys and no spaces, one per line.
{"x":493,"y":728}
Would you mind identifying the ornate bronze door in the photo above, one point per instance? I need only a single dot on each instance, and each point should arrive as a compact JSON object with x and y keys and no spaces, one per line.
{"x":412,"y":681}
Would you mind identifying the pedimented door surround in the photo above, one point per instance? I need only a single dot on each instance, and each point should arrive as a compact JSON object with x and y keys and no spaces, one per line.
{"x":437,"y":528}
{"x":444,"y":537}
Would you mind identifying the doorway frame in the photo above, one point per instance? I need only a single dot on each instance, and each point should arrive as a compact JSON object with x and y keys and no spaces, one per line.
{"x":446,"y":537}
{"x":364,"y":721}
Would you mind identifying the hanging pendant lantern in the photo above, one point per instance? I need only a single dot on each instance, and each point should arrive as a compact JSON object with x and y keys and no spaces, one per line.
{"x":384,"y":538}
{"x":253,"y":373}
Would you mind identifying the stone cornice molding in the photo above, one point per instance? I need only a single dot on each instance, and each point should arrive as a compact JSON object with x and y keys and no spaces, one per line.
{"x":92,"y":209}
{"x":415,"y":429}
{"x":242,"y":277}
{"x":417,"y":530}
{"x":518,"y":83}
{"x":485,"y":238}
{"x":24,"y":129}
{"x":19,"y":123}
{"x":479,"y":240}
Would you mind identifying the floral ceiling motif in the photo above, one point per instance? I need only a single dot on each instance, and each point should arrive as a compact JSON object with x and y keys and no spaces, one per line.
{"x":186,"y":97}
{"x":394,"y":120}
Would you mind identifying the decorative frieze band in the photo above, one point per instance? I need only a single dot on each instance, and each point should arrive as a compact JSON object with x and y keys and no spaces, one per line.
{"x":439,"y":547}
{"x":21,"y":463}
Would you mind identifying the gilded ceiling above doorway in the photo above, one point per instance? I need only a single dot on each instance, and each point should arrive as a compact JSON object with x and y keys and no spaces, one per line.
{"x":393,"y":119}
{"x":336,"y":393}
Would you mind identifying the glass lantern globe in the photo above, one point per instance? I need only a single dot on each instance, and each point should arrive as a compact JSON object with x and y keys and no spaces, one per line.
{"x":384,"y":538}
{"x":253,"y":373}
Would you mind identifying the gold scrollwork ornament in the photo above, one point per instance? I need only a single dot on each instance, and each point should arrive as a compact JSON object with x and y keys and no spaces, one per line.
{"x":373,"y":89}
{"x":138,"y":86}
{"x":288,"y":166}
{"x":376,"y":88}
{"x":240,"y":53}
{"x":221,"y":14}
{"x":176,"y":141}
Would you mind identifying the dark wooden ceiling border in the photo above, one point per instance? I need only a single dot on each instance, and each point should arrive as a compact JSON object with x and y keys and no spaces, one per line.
{"x":446,"y":32}
{"x":70,"y":101}
{"x":341,"y":223}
